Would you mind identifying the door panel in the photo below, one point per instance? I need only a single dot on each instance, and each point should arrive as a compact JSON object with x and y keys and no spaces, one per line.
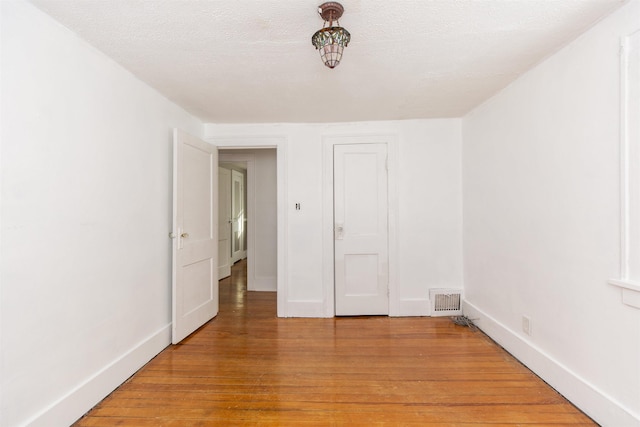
{"x":361,"y":229}
{"x":196,"y":290}
{"x":224,"y":223}
{"x":196,"y":191}
{"x":195,"y":213}
{"x":361,"y":274}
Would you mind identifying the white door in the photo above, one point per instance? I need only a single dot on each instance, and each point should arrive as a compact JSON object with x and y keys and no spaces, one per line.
{"x":237,"y":214}
{"x":360,"y":229}
{"x":195,"y":216}
{"x":224,"y":223}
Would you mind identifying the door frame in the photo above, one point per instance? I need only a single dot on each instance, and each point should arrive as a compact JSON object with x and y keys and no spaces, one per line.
{"x":328,"y":258}
{"x":250,"y":208}
{"x":280,"y":144}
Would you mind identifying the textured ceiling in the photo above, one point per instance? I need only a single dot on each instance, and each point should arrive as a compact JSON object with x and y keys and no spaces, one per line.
{"x":252,"y":60}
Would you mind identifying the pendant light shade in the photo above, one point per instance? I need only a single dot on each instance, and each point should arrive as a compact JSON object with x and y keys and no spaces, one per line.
{"x":331,"y":39}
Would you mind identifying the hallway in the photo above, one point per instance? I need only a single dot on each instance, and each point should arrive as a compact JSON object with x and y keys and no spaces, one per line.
{"x":248,"y":367}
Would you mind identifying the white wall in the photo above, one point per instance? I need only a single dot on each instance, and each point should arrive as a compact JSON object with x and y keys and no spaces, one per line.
{"x":429,"y":205}
{"x":86,"y":208}
{"x":542,"y":223}
{"x":264,"y":198}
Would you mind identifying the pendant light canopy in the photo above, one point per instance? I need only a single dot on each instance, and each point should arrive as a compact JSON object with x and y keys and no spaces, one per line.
{"x":331,"y":40}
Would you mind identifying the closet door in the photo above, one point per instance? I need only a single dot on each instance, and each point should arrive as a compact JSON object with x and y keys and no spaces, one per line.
{"x":361,"y":262}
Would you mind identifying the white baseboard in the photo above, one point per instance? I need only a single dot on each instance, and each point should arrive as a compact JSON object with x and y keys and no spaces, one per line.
{"x":263,"y":284}
{"x":404,"y":308}
{"x":78,"y":401}
{"x":596,"y":404}
{"x":306,"y":309}
{"x":411,"y":307}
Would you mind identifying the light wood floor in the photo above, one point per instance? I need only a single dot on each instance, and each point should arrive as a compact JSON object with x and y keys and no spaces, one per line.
{"x":248,"y":367}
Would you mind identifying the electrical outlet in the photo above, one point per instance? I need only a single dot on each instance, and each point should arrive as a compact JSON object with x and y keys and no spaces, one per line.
{"x":526,"y":325}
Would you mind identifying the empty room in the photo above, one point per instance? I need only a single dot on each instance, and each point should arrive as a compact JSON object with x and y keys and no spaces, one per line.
{"x":401,"y":165}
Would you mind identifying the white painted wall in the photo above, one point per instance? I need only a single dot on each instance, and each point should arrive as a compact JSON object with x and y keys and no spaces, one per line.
{"x":265,"y":198}
{"x":429,"y":205}
{"x":542,"y":223}
{"x":86,"y":208}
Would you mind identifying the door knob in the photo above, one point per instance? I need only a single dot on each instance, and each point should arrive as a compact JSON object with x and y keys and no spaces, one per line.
{"x":184,"y":235}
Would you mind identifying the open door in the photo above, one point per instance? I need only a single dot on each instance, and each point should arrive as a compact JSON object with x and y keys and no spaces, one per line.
{"x":195,"y":228}
{"x":224,"y":223}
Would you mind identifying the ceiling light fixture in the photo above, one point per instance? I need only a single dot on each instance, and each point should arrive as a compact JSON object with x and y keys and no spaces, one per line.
{"x":331,"y":40}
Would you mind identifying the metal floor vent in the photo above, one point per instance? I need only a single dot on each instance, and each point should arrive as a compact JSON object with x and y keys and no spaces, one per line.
{"x":445,"y":302}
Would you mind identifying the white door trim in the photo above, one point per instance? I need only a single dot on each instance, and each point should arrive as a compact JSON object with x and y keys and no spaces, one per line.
{"x":280,"y":144}
{"x":328,"y":277}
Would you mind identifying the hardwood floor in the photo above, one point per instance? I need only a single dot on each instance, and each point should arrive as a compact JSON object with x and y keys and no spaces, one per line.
{"x":248,"y":367}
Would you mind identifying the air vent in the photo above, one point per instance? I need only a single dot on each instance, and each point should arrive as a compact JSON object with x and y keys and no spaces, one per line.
{"x":445,"y":302}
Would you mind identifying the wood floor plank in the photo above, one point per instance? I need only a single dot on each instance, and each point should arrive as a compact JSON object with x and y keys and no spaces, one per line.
{"x":248,"y":367}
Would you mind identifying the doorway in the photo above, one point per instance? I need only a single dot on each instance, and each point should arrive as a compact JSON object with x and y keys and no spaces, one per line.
{"x":232,"y":216}
{"x":364,"y":265}
{"x":253,"y":215}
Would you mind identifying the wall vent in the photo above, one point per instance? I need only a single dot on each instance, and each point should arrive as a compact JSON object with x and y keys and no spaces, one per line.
{"x":445,"y":302}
